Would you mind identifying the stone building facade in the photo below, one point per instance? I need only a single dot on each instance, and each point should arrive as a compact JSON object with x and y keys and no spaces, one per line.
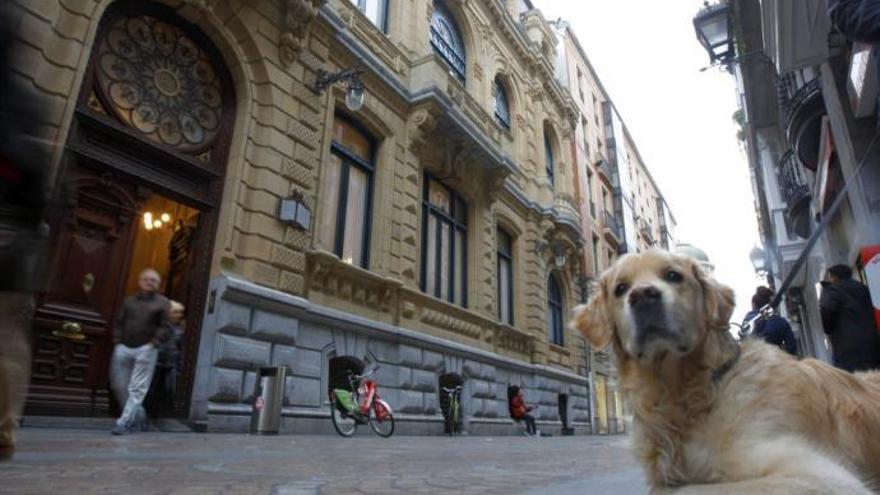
{"x":808,"y":113}
{"x":622,"y":209}
{"x":438,"y":233}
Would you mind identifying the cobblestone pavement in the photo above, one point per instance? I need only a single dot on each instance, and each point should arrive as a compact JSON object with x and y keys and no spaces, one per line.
{"x":78,"y":461}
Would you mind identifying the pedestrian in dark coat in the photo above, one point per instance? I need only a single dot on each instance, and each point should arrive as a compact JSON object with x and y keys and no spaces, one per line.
{"x":773,"y":329}
{"x":160,"y":399}
{"x":848,"y":318}
{"x":858,"y":20}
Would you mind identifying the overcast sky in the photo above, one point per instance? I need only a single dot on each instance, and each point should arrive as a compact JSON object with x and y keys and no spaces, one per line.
{"x":648,"y":58}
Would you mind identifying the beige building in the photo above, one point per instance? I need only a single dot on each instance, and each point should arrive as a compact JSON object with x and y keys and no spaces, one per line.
{"x":622,"y":209}
{"x":434,"y":229}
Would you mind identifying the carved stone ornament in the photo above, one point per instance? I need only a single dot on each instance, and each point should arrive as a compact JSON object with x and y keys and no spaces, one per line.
{"x":159,"y":81}
{"x":297,"y":21}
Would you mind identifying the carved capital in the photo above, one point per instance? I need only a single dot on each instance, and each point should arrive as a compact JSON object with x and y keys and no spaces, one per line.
{"x":298,"y":19}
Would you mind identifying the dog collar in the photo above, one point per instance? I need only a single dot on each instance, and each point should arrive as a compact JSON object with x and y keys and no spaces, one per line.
{"x":722,"y":370}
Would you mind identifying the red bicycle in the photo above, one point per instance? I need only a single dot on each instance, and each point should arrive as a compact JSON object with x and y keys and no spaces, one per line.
{"x":363,"y":405}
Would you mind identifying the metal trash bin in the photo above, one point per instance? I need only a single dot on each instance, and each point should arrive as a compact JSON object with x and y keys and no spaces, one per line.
{"x":268,"y":399}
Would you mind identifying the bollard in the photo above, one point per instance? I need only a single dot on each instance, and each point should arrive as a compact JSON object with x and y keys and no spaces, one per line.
{"x":268,"y":399}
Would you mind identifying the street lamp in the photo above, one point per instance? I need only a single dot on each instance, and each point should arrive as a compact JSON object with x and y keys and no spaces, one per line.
{"x":354,"y":99}
{"x":712,"y":24}
{"x":759,"y":261}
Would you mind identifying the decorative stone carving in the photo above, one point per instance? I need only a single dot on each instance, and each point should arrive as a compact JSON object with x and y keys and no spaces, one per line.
{"x":421,"y":125}
{"x":297,"y":20}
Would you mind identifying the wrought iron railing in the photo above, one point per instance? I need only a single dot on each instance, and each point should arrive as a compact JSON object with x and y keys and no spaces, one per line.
{"x":448,"y":53}
{"x":646,"y":229}
{"x":604,"y":167}
{"x":793,"y":183}
{"x":609,"y":221}
{"x":794,"y":91}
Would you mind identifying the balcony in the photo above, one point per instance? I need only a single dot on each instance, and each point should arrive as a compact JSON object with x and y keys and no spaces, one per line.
{"x":611,"y":228}
{"x":605,"y":170}
{"x":803,"y":108}
{"x":795,"y":191}
{"x":646,"y":230}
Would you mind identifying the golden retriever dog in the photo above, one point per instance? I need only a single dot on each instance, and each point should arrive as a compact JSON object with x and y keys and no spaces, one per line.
{"x":713,"y":416}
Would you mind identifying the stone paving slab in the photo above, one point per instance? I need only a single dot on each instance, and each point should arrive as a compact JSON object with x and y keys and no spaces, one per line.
{"x":53,"y":461}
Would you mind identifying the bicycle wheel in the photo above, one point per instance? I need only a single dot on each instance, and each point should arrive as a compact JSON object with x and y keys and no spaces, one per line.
{"x":385,"y":427}
{"x":450,"y":419}
{"x":343,"y":423}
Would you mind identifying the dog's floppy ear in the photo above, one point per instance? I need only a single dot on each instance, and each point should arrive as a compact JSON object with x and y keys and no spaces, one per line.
{"x":592,"y":320}
{"x":719,"y":299}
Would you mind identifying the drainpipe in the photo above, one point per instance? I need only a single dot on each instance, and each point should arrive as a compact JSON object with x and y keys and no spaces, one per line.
{"x":588,"y":358}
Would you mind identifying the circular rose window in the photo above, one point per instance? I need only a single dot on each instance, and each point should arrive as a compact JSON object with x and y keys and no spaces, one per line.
{"x":158,"y":81}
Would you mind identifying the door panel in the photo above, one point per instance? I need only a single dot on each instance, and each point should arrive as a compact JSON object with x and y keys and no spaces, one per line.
{"x":72,"y":330}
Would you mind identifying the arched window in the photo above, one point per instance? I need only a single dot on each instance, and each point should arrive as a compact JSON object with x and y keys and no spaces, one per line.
{"x":446,"y":38}
{"x":548,"y":157}
{"x":554,"y":310}
{"x":502,"y":107}
{"x":346,"y":203}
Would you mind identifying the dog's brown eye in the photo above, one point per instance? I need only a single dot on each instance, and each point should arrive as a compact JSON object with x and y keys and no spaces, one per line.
{"x":620,"y":289}
{"x":674,"y":277}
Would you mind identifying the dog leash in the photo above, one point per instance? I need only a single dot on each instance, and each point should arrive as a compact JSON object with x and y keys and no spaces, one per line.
{"x":768,"y":310}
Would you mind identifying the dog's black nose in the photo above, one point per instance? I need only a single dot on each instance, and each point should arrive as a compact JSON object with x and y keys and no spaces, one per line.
{"x":644,"y":295}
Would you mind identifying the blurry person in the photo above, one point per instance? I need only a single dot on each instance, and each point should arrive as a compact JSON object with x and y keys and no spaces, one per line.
{"x":858,"y":20}
{"x":520,"y":412}
{"x":773,"y":329}
{"x":160,"y":399}
{"x":848,"y":318}
{"x":23,"y":233}
{"x":139,"y":331}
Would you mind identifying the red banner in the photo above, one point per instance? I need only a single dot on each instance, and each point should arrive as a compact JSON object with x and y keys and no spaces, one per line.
{"x":869,"y":266}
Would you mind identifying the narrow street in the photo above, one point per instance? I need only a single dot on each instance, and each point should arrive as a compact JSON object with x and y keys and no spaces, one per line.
{"x":80,"y":461}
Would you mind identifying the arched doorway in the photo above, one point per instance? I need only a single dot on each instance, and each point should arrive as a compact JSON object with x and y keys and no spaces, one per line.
{"x":140,"y":182}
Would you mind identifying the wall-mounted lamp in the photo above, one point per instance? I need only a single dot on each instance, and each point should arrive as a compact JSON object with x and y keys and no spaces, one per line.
{"x":293,"y":211}
{"x":759,"y":260}
{"x":712,"y":25}
{"x":354,"y":99}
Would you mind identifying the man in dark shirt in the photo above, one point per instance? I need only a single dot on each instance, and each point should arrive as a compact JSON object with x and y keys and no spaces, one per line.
{"x":848,"y":318}
{"x":141,"y":327}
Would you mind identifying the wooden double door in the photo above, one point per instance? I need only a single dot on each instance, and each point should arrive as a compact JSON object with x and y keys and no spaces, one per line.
{"x":90,"y":263}
{"x":153,"y":118}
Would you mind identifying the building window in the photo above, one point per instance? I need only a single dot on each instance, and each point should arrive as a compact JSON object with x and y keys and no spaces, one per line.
{"x":375,"y":10}
{"x":596,"y":256}
{"x":584,"y":128}
{"x":505,"y":277}
{"x":580,"y":82}
{"x":548,"y":157}
{"x":554,"y":310}
{"x":346,"y":205}
{"x":444,"y":243}
{"x":446,"y":39}
{"x":502,"y":107}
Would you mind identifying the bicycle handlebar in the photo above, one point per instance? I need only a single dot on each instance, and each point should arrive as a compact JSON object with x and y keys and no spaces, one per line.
{"x":457,"y":388}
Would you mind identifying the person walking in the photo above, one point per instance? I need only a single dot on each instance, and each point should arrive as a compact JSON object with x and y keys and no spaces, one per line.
{"x":848,"y":319}
{"x":520,"y":412}
{"x":23,"y":231}
{"x":773,"y":329}
{"x":140,"y":329}
{"x":160,"y":398}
